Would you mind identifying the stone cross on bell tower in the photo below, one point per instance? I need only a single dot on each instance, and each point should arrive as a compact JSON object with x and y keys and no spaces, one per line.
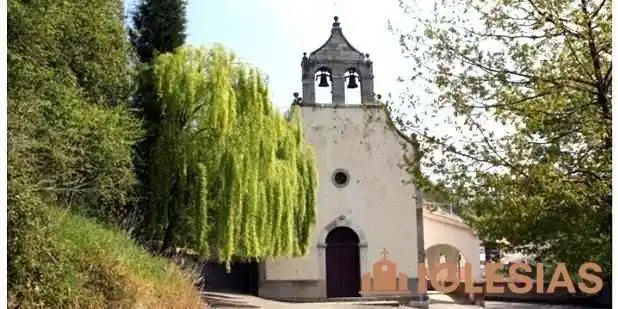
{"x":339,"y":65}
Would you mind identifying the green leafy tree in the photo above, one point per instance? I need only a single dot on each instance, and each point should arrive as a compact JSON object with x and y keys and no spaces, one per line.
{"x":78,"y":44}
{"x":68,"y":100}
{"x":232,"y":177}
{"x":524,"y":89}
{"x":70,"y":133}
{"x":158,"y":27}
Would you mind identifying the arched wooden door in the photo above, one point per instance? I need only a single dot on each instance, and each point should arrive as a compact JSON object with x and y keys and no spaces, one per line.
{"x":342,"y":263}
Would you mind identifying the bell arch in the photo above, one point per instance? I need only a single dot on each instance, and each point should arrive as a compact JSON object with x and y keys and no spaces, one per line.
{"x":323,"y":85}
{"x":353,"y":86}
{"x":446,"y":253}
{"x":448,"y":235}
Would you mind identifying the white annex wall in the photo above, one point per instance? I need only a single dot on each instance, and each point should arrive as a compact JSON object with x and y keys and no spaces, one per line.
{"x":375,"y":203}
{"x":443,"y":233}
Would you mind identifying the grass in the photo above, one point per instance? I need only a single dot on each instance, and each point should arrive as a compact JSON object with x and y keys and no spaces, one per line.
{"x":82,"y":264}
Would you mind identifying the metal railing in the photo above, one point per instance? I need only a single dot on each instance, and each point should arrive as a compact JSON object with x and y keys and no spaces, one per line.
{"x":442,"y":209}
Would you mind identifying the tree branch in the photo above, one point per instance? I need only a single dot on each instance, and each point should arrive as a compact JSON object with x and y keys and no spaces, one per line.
{"x":508,"y":36}
{"x":602,"y":100}
{"x":598,"y":10}
{"x":557,"y":22}
{"x":532,"y":78}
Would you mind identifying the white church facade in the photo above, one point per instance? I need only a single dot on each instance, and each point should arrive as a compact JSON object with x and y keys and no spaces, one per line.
{"x":367,"y":210}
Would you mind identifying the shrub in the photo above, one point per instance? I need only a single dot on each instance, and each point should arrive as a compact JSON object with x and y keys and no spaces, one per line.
{"x":76,"y":263}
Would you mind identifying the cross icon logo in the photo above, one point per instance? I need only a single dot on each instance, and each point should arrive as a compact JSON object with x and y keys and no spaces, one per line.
{"x":384,"y":253}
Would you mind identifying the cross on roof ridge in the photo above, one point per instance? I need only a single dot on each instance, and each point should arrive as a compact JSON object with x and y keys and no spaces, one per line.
{"x":384,"y":253}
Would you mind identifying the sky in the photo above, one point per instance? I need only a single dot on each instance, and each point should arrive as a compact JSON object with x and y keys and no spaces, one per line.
{"x":273,"y":34}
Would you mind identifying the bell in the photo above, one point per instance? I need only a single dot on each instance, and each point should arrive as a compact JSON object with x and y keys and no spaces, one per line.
{"x":323,"y":80}
{"x":352,"y":83}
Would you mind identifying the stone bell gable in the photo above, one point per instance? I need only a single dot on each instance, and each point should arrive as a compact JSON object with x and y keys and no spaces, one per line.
{"x":337,"y":60}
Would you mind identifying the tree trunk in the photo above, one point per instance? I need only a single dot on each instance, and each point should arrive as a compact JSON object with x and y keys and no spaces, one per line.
{"x":169,"y":233}
{"x":171,"y":217}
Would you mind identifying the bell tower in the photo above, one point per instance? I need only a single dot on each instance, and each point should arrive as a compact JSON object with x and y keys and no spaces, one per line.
{"x":365,"y":201}
{"x":338,"y":65}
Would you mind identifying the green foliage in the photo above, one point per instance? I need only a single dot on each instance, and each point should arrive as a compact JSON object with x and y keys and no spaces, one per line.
{"x":70,"y":146}
{"x":26,"y":239}
{"x":528,"y":88}
{"x":158,"y":28}
{"x":73,"y":43}
{"x":232,"y":178}
{"x":81,"y":154}
{"x":75,"y":263}
{"x":70,"y":133}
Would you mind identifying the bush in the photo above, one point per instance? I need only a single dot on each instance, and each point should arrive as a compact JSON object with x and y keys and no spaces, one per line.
{"x":79,"y":153}
{"x":76,"y":263}
{"x":71,"y":138}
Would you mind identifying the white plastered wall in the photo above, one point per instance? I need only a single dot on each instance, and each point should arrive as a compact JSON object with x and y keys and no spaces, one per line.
{"x":376,"y":203}
{"x":444,"y":233}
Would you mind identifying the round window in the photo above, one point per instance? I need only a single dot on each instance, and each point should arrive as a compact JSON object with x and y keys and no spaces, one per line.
{"x":341,"y":178}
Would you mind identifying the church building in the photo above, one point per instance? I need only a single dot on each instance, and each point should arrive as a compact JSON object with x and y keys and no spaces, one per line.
{"x":369,"y":218}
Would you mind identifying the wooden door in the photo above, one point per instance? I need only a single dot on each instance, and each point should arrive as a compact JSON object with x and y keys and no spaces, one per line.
{"x":342,"y":263}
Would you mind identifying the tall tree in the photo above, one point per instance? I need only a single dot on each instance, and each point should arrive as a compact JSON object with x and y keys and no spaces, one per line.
{"x":525,"y":86}
{"x":68,"y":98}
{"x":70,"y":133}
{"x":158,"y":27}
{"x":95,"y":61}
{"x":231,"y":176}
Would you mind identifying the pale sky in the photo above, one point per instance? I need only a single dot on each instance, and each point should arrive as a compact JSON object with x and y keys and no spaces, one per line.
{"x":273,"y":34}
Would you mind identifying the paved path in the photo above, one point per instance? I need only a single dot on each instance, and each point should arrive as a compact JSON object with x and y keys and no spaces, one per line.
{"x":500,"y":305}
{"x":232,"y":301}
{"x":229,"y":301}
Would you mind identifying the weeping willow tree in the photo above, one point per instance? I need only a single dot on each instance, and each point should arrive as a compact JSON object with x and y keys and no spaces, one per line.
{"x":232,"y":178}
